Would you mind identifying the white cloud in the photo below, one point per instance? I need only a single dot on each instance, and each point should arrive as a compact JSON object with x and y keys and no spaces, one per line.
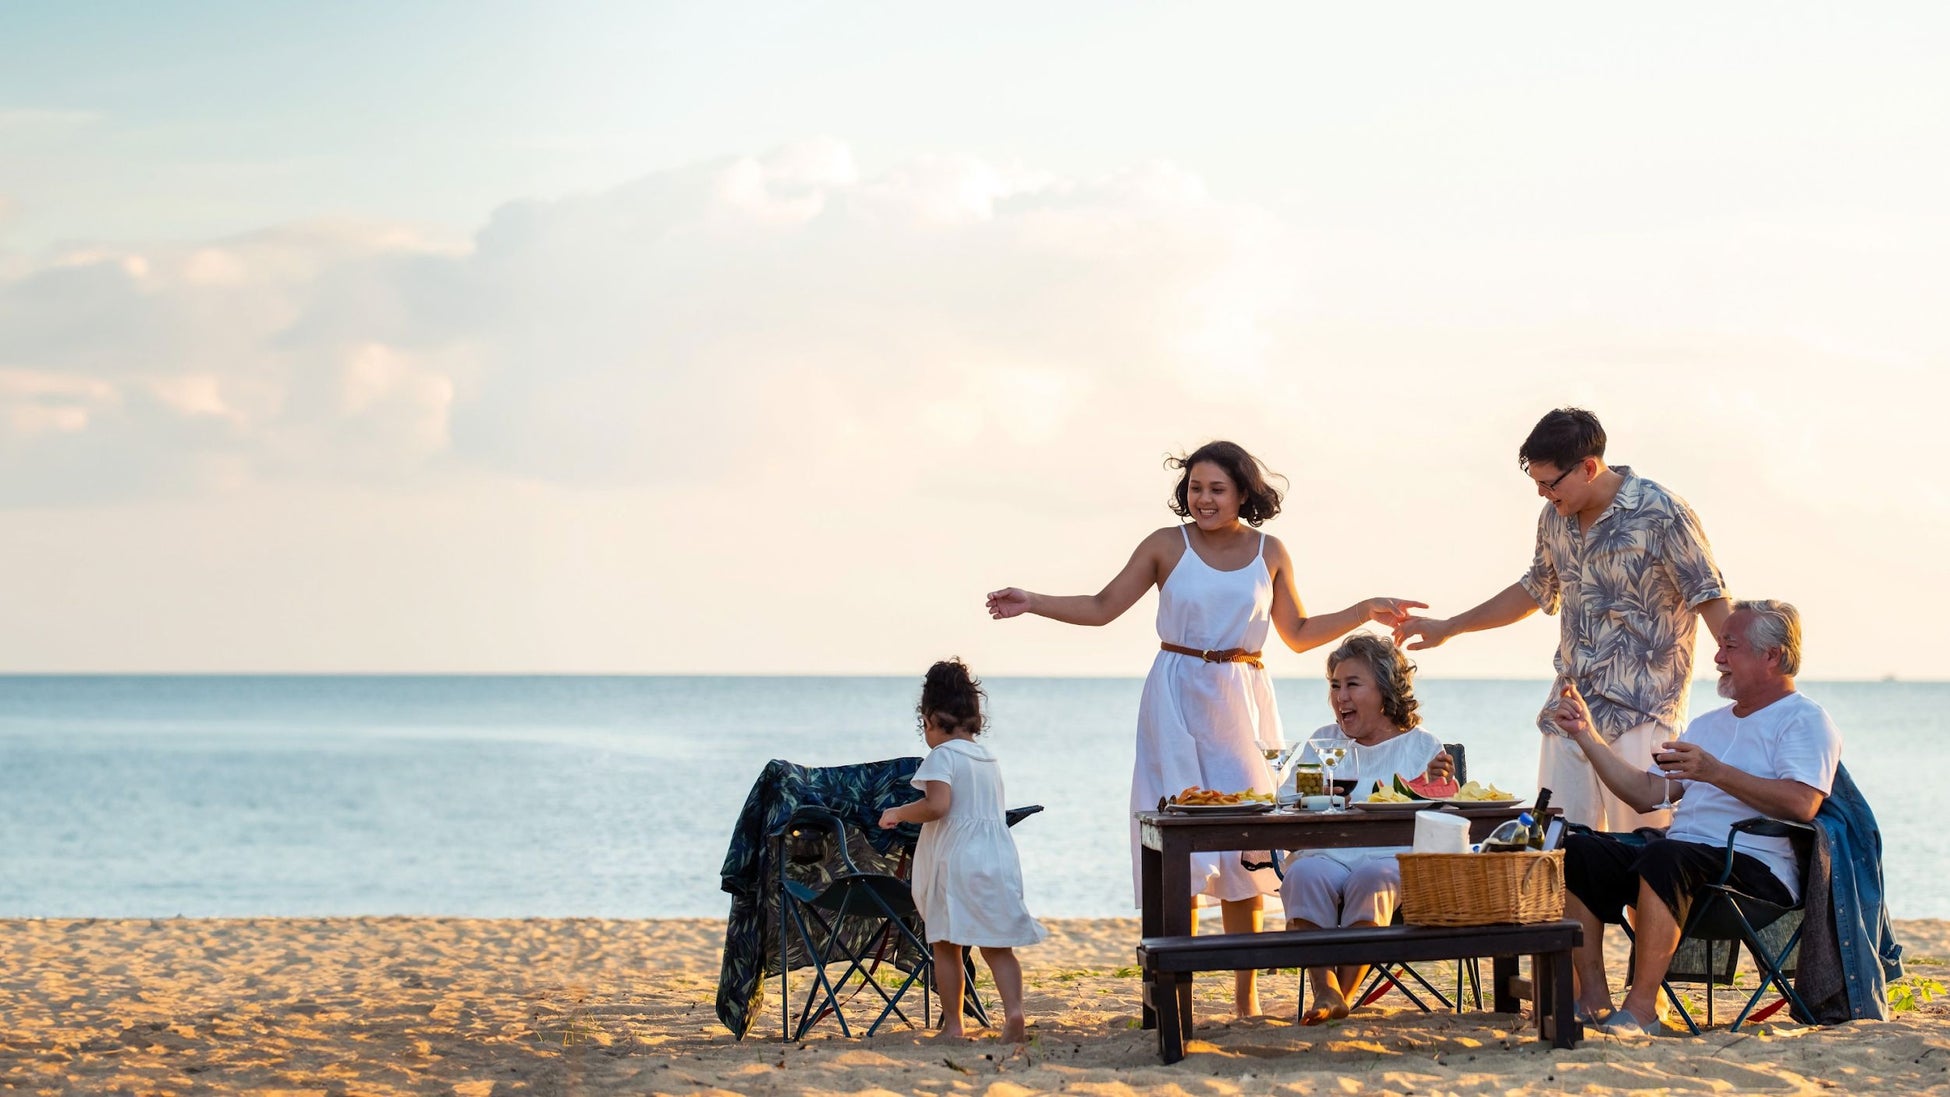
{"x":713,"y":317}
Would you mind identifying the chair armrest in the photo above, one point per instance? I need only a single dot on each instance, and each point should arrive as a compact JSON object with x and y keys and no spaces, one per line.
{"x":1760,"y":826}
{"x":1017,"y":815}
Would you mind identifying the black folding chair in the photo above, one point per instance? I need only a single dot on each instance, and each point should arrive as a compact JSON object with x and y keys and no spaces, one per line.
{"x":1721,"y":913}
{"x":1391,"y":976}
{"x":862,"y":922}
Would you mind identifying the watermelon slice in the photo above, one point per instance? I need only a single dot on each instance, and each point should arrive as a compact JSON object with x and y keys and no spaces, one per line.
{"x":1426,"y":787}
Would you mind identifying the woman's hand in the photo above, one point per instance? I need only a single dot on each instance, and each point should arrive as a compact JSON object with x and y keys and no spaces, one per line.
{"x":890,"y":819}
{"x":1390,"y":611}
{"x":1441,"y":767}
{"x":1008,"y":602}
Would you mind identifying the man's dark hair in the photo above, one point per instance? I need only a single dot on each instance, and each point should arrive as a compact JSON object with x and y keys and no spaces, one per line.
{"x":1561,"y":439}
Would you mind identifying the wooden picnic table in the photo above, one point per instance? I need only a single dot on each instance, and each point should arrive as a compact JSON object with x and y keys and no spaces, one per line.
{"x":1169,"y":839}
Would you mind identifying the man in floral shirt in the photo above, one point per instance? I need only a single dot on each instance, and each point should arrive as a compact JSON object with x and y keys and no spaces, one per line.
{"x":1625,"y":565}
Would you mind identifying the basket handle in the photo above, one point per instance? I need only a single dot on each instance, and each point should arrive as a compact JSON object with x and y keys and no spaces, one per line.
{"x":1540,"y":862}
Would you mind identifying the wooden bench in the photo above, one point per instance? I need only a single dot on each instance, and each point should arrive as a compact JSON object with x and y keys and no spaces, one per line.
{"x":1167,"y":962}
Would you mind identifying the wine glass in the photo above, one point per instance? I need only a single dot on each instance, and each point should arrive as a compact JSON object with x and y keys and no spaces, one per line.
{"x":1330,"y":751}
{"x":1665,"y":783}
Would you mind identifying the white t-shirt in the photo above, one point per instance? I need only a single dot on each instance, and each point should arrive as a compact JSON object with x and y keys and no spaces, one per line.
{"x":1792,"y":738}
{"x":1407,"y":754}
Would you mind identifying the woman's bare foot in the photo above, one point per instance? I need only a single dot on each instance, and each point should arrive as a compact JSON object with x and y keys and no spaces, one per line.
{"x":1013,"y":1031}
{"x":1328,"y":1006}
{"x":954,"y":1033}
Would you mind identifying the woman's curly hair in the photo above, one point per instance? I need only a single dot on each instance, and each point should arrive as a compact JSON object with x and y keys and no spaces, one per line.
{"x":1393,"y":674}
{"x":1258,"y":500}
{"x":953,"y":697}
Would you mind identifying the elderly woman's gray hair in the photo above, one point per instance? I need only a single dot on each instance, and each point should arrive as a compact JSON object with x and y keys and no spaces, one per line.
{"x":1775,"y":624}
{"x":1393,"y":674}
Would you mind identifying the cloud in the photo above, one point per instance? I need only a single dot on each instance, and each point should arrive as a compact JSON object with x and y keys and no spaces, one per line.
{"x":704,"y":322}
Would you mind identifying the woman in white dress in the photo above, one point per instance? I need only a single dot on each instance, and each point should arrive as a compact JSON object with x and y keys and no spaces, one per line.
{"x":1208,"y":702}
{"x":967,"y":878}
{"x":1371,"y":688}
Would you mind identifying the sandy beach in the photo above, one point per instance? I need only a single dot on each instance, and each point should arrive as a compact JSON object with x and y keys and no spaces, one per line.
{"x":479,"y":1007}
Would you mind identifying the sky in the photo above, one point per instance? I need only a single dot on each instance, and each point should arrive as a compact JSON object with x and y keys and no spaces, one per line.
{"x":731,"y":339}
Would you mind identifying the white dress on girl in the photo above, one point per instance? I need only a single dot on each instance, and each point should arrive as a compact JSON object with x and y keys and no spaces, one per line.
{"x":1198,"y":721}
{"x":967,"y":879}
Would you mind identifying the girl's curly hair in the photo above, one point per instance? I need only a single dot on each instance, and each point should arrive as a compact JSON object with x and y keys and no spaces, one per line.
{"x":953,"y":697}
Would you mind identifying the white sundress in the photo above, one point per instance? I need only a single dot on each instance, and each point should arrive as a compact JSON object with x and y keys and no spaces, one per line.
{"x":1198,"y":721}
{"x":967,"y":878}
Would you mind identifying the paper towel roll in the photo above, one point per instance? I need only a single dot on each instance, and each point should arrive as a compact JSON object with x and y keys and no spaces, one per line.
{"x":1439,"y":832}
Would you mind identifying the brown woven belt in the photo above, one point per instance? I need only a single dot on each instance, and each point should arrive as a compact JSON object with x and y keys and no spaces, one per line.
{"x":1223,"y":655}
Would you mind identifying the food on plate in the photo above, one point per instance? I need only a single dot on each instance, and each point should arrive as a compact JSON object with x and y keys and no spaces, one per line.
{"x":1196,"y":796}
{"x":1475,"y":793}
{"x":1427,"y":788}
{"x":1382,"y":795}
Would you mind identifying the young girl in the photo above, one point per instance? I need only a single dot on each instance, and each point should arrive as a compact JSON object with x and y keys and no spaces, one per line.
{"x":967,"y":879}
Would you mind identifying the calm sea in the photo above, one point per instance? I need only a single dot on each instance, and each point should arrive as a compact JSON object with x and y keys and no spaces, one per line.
{"x":614,"y":797}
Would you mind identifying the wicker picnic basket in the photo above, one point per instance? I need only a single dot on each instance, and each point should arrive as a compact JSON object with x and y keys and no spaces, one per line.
{"x":1479,"y":889}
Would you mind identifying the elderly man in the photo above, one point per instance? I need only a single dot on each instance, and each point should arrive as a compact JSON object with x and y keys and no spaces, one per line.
{"x":1772,"y":752}
{"x":1625,"y":565}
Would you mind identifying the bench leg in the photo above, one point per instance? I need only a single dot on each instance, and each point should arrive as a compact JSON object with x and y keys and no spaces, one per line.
{"x":1554,"y":1001}
{"x":1569,"y":1029}
{"x":1503,"y":972}
{"x":1171,"y":1026}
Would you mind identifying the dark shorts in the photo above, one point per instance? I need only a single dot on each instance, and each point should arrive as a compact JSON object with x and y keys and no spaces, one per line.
{"x":1604,"y":870}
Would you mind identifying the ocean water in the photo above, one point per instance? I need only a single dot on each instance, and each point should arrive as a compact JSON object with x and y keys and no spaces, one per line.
{"x":615,"y":796}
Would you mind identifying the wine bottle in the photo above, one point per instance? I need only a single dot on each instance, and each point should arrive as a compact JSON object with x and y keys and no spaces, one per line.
{"x":1542,"y":820}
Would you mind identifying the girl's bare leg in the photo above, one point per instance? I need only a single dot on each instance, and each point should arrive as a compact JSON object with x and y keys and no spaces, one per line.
{"x":1244,"y":916}
{"x":1008,"y":986}
{"x":949,"y":983}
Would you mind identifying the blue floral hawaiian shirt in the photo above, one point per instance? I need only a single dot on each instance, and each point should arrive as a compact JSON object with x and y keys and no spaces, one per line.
{"x":1625,"y":591}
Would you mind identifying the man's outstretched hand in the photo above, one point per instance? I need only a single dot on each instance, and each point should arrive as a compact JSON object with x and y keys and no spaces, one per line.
{"x":1432,"y":631}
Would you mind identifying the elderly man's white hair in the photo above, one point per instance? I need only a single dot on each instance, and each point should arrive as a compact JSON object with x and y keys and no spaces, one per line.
{"x":1774,"y":624}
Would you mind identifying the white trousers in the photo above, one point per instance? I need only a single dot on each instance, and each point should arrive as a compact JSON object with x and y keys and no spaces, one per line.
{"x":1327,"y":893}
{"x":1575,"y":787}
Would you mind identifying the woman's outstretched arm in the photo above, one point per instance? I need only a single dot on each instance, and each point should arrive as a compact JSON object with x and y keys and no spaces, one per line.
{"x":1303,"y":633}
{"x":1148,"y":564}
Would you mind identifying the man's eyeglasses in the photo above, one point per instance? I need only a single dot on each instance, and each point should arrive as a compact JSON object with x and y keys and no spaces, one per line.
{"x":1551,"y":485}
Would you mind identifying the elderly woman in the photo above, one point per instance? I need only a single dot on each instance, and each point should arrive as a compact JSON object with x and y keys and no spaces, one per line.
{"x":1371,"y":688}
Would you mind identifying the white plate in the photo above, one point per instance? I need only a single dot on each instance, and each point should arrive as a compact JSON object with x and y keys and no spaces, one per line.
{"x":1412,"y":805}
{"x":1256,"y":807}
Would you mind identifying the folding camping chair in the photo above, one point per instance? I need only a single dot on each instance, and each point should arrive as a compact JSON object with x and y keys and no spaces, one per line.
{"x":862,"y":920}
{"x":1389,"y":976}
{"x":1771,"y":933}
{"x":1392,"y":976}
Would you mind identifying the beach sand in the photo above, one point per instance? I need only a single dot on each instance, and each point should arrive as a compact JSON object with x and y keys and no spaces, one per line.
{"x":478,"y":1007}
